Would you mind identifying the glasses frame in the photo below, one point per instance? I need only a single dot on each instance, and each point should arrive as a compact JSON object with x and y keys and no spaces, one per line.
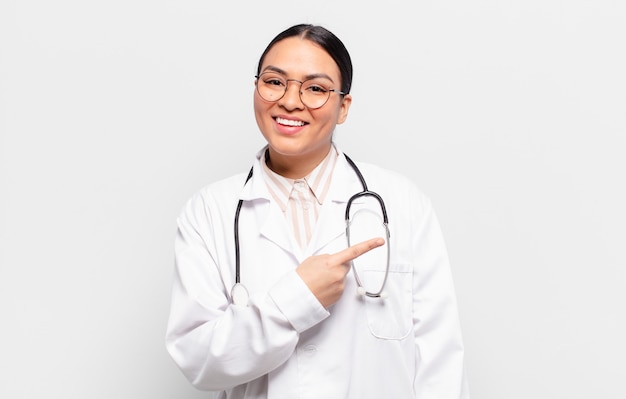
{"x":256,"y":83}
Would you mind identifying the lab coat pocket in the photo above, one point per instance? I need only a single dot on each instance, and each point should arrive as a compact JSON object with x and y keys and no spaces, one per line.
{"x":391,"y":317}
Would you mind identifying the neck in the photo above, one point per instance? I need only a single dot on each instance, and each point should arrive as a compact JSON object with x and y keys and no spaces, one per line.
{"x":293,"y":167}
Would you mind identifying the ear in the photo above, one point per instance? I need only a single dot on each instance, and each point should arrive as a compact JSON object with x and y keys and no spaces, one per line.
{"x":343,"y":108}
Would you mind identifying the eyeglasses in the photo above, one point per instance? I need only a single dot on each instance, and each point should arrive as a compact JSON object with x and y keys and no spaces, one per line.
{"x":314,"y":93}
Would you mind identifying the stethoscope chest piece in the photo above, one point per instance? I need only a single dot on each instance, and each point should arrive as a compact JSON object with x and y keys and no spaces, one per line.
{"x":239,"y":295}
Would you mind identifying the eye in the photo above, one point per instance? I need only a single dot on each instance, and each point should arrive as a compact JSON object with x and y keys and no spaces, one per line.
{"x":274,"y":82}
{"x":315,"y":88}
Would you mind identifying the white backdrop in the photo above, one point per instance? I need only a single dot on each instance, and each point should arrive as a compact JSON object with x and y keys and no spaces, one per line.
{"x":509,"y":114}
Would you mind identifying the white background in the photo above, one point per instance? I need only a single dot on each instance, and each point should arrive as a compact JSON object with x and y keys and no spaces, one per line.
{"x":510,"y":115}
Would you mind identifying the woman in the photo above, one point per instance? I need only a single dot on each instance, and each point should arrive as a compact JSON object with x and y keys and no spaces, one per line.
{"x":298,"y":328}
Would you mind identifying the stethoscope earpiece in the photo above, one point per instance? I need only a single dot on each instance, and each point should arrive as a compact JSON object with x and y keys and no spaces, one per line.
{"x":360,"y":291}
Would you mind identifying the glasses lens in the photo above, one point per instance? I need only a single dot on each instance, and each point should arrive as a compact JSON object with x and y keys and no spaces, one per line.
{"x":271,"y":86}
{"x":313,"y":93}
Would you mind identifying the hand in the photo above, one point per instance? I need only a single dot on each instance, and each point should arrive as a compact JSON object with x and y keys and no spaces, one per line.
{"x":325,"y":274}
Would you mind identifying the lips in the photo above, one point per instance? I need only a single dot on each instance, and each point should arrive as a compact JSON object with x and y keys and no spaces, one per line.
{"x":289,"y":122}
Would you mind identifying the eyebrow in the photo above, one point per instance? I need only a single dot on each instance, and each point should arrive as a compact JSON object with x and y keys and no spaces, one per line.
{"x":307,"y":77}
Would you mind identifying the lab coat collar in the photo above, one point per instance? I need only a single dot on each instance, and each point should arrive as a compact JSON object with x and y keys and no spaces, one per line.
{"x":255,"y":188}
{"x":345,"y":182}
{"x":270,"y":219}
{"x":343,"y":185}
{"x":331,"y":222}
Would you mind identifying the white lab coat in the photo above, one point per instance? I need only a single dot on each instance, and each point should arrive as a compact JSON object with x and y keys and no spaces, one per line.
{"x":284,"y":344}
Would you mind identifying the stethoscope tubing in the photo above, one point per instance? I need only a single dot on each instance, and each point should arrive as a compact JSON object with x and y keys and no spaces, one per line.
{"x":237,"y":254}
{"x":239,"y":290}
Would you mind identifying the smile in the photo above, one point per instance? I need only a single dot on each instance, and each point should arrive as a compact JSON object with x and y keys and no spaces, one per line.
{"x":289,"y":122}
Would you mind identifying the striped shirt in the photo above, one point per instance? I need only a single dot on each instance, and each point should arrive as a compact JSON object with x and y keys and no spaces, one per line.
{"x":301,"y":199}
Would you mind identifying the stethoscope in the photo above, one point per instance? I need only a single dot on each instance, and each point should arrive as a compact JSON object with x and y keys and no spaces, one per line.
{"x":239,"y":294}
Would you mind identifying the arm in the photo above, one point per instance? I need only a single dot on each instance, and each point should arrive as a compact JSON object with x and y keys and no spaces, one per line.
{"x":218,"y":345}
{"x":440,"y":352}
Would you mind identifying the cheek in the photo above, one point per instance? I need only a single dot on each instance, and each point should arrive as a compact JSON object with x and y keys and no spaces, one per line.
{"x":256,"y":101}
{"x":262,"y":116}
{"x":327,"y":116}
{"x":260,"y":108}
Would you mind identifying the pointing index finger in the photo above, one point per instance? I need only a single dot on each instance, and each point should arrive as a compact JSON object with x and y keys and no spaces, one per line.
{"x":357,"y":250}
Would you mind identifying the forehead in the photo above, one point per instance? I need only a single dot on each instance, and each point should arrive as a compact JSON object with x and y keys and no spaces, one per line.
{"x":300,"y":57}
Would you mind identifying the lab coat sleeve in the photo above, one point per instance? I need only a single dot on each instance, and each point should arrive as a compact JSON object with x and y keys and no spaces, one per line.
{"x":218,"y":345}
{"x":440,"y":372}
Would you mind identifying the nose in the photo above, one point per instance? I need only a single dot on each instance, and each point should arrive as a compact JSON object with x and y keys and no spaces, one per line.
{"x":291,"y":99}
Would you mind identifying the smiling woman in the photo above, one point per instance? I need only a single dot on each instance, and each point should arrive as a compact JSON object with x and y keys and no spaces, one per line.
{"x":310,"y":310}
{"x":299,"y":135}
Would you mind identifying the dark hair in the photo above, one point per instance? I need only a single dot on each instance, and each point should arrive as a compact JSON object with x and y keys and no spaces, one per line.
{"x":326,"y":40}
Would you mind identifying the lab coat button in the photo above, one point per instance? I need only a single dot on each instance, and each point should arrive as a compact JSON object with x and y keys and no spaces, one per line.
{"x":309,"y":350}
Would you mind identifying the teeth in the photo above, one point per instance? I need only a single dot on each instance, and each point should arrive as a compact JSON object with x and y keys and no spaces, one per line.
{"x":289,"y":122}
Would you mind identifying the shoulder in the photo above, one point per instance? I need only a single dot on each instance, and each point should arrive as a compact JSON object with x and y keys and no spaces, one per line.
{"x":397,"y":190}
{"x":410,"y":209}
{"x":222,"y":194}
{"x":225,"y":189}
